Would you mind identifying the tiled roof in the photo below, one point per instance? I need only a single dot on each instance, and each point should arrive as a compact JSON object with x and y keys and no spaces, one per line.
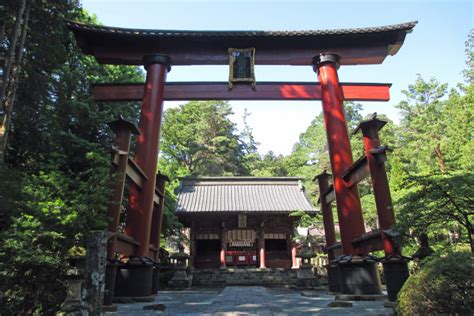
{"x":185,"y":33}
{"x":355,"y":46}
{"x":242,"y":194}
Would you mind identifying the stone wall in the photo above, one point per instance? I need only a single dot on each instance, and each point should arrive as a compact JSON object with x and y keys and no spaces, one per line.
{"x":247,"y":276}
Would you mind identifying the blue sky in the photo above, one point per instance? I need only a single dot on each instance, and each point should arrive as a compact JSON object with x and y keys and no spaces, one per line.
{"x":434,"y":49}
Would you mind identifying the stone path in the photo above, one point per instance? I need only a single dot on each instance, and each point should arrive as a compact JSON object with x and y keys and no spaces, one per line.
{"x":250,"y":300}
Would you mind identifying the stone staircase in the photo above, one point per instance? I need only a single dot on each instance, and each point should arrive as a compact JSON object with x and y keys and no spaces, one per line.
{"x":243,"y":276}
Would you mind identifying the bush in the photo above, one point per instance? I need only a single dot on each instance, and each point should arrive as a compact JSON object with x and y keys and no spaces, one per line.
{"x":444,"y":285}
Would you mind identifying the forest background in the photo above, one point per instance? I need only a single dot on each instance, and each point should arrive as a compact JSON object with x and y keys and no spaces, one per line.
{"x":55,"y":156}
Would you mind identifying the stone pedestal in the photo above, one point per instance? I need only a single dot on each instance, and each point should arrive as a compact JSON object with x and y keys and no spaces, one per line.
{"x":110,"y":277}
{"x":180,"y":280}
{"x":73,"y":305}
{"x":359,"y":275}
{"x":396,"y":273}
{"x":305,"y":277}
{"x":96,"y":245}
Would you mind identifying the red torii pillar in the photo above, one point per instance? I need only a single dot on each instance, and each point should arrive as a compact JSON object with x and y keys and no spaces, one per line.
{"x":334,"y":284}
{"x":358,"y":274}
{"x":157,"y":217}
{"x":123,"y":131}
{"x":394,"y":265}
{"x":348,"y":205}
{"x":146,"y":152}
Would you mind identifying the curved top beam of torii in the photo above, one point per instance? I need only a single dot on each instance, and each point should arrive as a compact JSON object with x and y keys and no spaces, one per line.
{"x":112,"y":45}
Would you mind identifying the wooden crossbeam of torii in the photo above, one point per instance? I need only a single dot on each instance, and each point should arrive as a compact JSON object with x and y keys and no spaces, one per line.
{"x":272,"y":91}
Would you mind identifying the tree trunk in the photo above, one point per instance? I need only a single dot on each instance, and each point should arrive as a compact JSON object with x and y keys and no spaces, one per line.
{"x":439,"y":157}
{"x":11,"y":74}
{"x":470,"y":237}
{"x":11,"y":50}
{"x":2,"y":31}
{"x":471,"y":241}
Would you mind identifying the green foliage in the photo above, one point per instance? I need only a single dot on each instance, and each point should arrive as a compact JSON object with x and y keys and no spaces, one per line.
{"x":431,"y":167}
{"x":305,"y":219}
{"x":435,"y":201}
{"x":444,"y":286}
{"x":55,"y":186}
{"x":198,"y":138}
{"x":270,"y":165}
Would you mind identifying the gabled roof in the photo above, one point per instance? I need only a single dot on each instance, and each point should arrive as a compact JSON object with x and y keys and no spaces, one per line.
{"x":242,"y":194}
{"x":116,"y":45}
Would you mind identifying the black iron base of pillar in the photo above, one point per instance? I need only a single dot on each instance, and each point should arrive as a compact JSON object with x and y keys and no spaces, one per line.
{"x":359,"y":275}
{"x":134,"y":278}
{"x":396,"y":273}
{"x":110,"y":277}
{"x":334,"y":279}
{"x":156,"y":278}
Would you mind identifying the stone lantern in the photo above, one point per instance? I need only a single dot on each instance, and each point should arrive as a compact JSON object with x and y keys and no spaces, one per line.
{"x":305,"y":276}
{"x":180,"y":279}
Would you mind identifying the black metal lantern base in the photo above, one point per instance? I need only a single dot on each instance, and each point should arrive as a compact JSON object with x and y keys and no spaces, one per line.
{"x":396,"y":273}
{"x":359,"y":276}
{"x":135,"y":278}
{"x":156,"y":278}
{"x":334,"y":279}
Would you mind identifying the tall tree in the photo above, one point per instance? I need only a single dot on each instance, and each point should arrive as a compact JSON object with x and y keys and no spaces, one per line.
{"x":421,"y":129}
{"x":198,"y":138}
{"x":310,"y":154}
{"x":249,"y":145}
{"x":12,"y":66}
{"x":54,"y":185}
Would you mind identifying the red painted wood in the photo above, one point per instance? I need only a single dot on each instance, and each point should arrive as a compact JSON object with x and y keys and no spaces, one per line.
{"x":261,"y":248}
{"x":371,"y":241}
{"x":220,"y":91}
{"x":383,"y":200}
{"x":126,"y":245}
{"x":348,"y":204}
{"x":146,"y":156}
{"x":294,"y":260}
{"x":157,"y":218}
{"x":326,"y":210}
{"x":128,"y":46}
{"x":130,"y":55}
{"x":121,"y":143}
{"x":223,"y":246}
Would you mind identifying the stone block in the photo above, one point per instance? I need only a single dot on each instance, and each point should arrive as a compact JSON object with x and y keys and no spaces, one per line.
{"x":340,"y":304}
{"x":155,"y":307}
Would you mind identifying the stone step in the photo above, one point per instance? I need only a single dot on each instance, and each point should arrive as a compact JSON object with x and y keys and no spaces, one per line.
{"x":244,"y":276}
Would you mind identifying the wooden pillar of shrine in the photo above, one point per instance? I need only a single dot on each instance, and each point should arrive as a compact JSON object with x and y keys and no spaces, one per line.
{"x":146,"y":152}
{"x":294,"y":251}
{"x":192,"y":244}
{"x":261,"y":246}
{"x":223,"y":245}
{"x":123,"y":131}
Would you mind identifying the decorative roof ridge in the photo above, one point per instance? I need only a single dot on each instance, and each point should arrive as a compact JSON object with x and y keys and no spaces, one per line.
{"x":74,"y":25}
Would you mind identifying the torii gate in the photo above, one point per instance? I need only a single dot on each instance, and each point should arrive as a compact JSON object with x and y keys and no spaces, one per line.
{"x":324,"y":50}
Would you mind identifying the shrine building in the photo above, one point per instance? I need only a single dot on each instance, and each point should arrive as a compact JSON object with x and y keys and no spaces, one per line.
{"x":241,"y":221}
